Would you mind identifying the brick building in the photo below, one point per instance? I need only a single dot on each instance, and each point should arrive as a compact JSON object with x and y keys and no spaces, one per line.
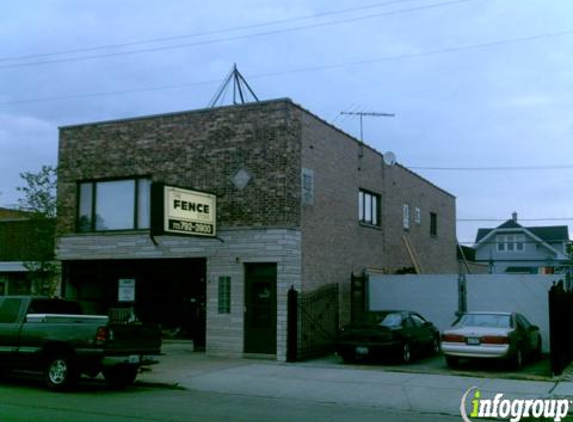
{"x":299,"y":203}
{"x":24,"y":242}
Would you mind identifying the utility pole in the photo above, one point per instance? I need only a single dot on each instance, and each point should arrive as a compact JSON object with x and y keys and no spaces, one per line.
{"x":361,"y":114}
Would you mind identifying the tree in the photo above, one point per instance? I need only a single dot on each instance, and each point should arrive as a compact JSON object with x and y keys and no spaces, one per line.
{"x":39,"y":193}
{"x":39,"y":201}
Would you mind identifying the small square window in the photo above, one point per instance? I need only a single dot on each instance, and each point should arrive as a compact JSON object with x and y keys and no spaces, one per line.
{"x":406,"y":216}
{"x":307,"y":187}
{"x":368,"y":208}
{"x":418,"y":215}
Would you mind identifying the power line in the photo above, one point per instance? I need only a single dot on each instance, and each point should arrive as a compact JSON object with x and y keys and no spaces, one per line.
{"x":200,"y":34}
{"x":238,"y":37}
{"x":501,"y":168}
{"x":466,"y":220}
{"x":328,"y":67}
{"x":529,"y":242}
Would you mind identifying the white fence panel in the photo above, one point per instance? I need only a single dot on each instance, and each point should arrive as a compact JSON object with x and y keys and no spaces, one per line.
{"x":436,"y":296}
{"x":433,"y":296}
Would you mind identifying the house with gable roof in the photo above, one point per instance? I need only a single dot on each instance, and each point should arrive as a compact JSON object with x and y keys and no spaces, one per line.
{"x":513,"y":248}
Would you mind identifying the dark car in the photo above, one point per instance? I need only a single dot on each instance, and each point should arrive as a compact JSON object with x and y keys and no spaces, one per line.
{"x":388,"y":334}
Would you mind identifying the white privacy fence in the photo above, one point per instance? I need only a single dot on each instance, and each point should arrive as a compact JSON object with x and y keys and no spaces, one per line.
{"x":436,"y":297}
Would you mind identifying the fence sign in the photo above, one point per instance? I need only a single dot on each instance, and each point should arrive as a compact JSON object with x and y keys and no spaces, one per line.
{"x":179,"y":211}
{"x":126,"y":290}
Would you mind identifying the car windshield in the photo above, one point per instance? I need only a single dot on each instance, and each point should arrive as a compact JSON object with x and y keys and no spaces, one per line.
{"x":55,"y":306}
{"x":391,"y":320}
{"x":380,"y":319}
{"x":485,"y":320}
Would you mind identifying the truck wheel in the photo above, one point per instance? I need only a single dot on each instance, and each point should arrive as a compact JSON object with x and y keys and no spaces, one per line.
{"x":60,"y":372}
{"x":121,"y":376}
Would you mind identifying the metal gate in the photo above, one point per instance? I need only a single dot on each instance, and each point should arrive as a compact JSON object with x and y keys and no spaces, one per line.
{"x":315,"y":316}
{"x":560,"y":317}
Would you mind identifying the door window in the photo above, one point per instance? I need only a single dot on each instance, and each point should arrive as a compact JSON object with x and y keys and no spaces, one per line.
{"x":418,"y":321}
{"x":9,"y":310}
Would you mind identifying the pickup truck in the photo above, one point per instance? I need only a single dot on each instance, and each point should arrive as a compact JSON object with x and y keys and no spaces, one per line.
{"x":54,"y":337}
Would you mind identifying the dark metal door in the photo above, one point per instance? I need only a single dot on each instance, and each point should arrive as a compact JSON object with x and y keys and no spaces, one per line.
{"x":261,"y":308}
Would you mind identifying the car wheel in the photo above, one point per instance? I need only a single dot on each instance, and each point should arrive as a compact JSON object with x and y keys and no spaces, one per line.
{"x":452,"y":361}
{"x":60,"y":371}
{"x":120,"y":376}
{"x":538,"y":352}
{"x":436,"y":346}
{"x":347,"y":357}
{"x":406,"y":353}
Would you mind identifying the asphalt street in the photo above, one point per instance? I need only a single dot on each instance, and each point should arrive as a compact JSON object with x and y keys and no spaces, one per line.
{"x":25,"y":399}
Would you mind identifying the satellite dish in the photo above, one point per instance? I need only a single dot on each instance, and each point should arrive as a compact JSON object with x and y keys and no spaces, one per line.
{"x":389,"y":158}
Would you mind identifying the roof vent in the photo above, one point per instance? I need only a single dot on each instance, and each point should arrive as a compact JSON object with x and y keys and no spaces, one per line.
{"x":514,"y":216}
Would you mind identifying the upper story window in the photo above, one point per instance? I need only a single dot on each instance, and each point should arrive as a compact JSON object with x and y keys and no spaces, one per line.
{"x":368,"y":208}
{"x":406,"y":216}
{"x":510,"y":242}
{"x":433,"y":224}
{"x":114,"y":205}
{"x":307,"y":186}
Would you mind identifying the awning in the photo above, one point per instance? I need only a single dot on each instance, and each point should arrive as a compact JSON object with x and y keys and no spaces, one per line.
{"x":12,"y":267}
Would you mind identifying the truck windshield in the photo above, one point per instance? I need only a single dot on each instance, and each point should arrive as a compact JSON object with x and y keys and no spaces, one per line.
{"x":55,"y":306}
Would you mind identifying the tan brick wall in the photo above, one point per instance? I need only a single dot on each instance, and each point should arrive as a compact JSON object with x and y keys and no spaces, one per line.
{"x":435,"y":254}
{"x":197,"y":149}
{"x":334,"y":242}
{"x":323,"y":242}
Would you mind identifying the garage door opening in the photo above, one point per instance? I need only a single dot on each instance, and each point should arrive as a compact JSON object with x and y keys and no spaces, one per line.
{"x":170,"y":292}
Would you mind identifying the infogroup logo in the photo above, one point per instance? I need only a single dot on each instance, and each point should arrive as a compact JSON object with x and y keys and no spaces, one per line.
{"x":473,"y":406}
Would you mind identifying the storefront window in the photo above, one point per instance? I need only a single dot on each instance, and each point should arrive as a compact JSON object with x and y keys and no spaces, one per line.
{"x":114,"y":205}
{"x":115,"y":202}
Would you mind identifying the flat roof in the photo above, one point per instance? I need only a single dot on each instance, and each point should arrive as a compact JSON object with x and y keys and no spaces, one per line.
{"x":252,"y":104}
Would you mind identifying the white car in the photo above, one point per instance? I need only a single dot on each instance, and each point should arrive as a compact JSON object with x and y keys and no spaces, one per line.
{"x":498,"y":335}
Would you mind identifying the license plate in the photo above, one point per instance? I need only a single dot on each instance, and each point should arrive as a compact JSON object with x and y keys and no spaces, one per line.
{"x":362,"y":350}
{"x":134,"y":359}
{"x":473,"y":341}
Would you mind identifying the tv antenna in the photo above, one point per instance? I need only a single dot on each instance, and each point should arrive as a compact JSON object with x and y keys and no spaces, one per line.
{"x":361,"y":114}
{"x":241,"y":89}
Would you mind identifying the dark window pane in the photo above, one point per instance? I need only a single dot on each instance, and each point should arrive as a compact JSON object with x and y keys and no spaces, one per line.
{"x":143,"y":203}
{"x":85,"y":207}
{"x":375,"y":210}
{"x":433,"y":224}
{"x":115,"y":205}
{"x":9,"y":310}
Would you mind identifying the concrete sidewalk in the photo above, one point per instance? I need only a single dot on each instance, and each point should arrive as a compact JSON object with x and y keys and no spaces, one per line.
{"x":341,"y":384}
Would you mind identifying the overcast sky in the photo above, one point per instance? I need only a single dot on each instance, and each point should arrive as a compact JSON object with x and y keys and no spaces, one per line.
{"x":482,"y":89}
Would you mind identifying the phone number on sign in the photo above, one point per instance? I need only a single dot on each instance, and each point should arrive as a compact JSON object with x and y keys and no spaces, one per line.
{"x":190,"y":227}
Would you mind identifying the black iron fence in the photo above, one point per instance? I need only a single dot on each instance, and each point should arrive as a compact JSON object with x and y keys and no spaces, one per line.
{"x":560,"y":320}
{"x":312,"y":322}
{"x":358,"y":299}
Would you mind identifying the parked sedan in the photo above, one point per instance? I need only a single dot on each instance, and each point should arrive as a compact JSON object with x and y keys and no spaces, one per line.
{"x":380,"y":334}
{"x":491,"y":335}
